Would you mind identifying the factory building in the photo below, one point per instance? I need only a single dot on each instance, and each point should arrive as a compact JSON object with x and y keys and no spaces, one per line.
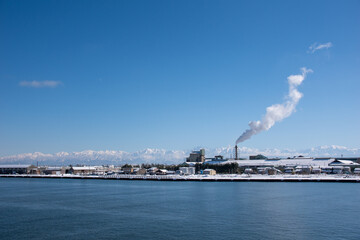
{"x":196,"y":156}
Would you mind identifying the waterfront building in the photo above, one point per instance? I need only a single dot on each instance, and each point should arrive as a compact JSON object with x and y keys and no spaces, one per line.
{"x":289,"y":170}
{"x":128,"y":170}
{"x":187,"y":170}
{"x":209,"y":171}
{"x":268,"y":170}
{"x":54,"y":170}
{"x":85,"y":170}
{"x":161,"y":172}
{"x":338,"y":169}
{"x":304,"y":169}
{"x":261,"y":170}
{"x":141,"y":171}
{"x":106,"y":170}
{"x":347,"y":170}
{"x":327,"y":170}
{"x":316,"y":170}
{"x":152,"y":170}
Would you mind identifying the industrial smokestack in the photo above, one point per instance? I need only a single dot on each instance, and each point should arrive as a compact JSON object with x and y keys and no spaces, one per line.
{"x":236,"y":152}
{"x":277,"y":112}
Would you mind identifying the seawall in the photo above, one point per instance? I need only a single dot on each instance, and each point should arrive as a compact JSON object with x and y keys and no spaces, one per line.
{"x":204,"y":178}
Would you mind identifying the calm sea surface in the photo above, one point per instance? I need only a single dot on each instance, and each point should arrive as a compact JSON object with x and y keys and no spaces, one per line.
{"x":98,"y":209}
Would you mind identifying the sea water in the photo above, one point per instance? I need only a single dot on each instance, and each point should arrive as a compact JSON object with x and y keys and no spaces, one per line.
{"x":105,"y":209}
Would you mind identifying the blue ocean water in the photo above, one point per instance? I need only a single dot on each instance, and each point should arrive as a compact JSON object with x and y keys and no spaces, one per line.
{"x":100,"y":209}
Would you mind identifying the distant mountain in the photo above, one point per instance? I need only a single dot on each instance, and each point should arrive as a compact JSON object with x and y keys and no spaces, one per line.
{"x":90,"y":157}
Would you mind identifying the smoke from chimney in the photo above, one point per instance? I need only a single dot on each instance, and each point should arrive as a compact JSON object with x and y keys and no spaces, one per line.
{"x":277,"y":112}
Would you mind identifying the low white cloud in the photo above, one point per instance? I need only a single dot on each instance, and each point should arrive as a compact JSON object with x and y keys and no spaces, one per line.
{"x":117,"y":157}
{"x":317,"y":46}
{"x":40,"y":84}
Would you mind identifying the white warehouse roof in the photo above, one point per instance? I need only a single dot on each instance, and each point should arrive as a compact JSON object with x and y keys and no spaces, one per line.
{"x":279,"y":162}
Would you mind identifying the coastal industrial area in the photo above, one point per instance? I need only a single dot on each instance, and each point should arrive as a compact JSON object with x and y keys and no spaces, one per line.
{"x":197,"y":167}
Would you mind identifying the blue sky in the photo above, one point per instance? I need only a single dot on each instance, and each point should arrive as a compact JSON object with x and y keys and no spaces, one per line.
{"x":128,"y":75}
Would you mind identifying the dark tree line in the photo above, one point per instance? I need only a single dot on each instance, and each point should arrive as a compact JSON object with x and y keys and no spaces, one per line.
{"x":172,"y":167}
{"x":230,"y":168}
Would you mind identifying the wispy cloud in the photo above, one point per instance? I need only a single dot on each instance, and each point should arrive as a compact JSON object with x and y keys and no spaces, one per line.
{"x":316,"y":46}
{"x":40,"y":84}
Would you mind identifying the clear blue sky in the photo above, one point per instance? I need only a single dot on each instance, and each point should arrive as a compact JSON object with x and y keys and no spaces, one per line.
{"x":175,"y":74}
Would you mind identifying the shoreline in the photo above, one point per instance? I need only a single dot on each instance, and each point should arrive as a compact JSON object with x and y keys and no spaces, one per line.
{"x":204,"y":178}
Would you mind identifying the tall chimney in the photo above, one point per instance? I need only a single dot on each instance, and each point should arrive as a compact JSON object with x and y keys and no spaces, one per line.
{"x":236,"y":152}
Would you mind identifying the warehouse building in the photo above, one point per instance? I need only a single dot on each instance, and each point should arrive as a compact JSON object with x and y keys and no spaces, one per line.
{"x":18,"y":169}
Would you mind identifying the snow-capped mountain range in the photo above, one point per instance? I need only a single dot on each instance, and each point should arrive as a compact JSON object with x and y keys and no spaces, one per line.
{"x":90,"y":157}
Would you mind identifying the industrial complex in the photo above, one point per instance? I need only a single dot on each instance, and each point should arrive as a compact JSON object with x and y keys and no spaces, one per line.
{"x":291,"y":165}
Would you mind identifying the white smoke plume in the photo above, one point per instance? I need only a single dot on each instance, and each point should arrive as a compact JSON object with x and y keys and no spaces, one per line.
{"x":278,"y":112}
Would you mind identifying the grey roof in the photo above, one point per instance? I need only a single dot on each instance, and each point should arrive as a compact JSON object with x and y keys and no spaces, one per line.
{"x":15,"y":166}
